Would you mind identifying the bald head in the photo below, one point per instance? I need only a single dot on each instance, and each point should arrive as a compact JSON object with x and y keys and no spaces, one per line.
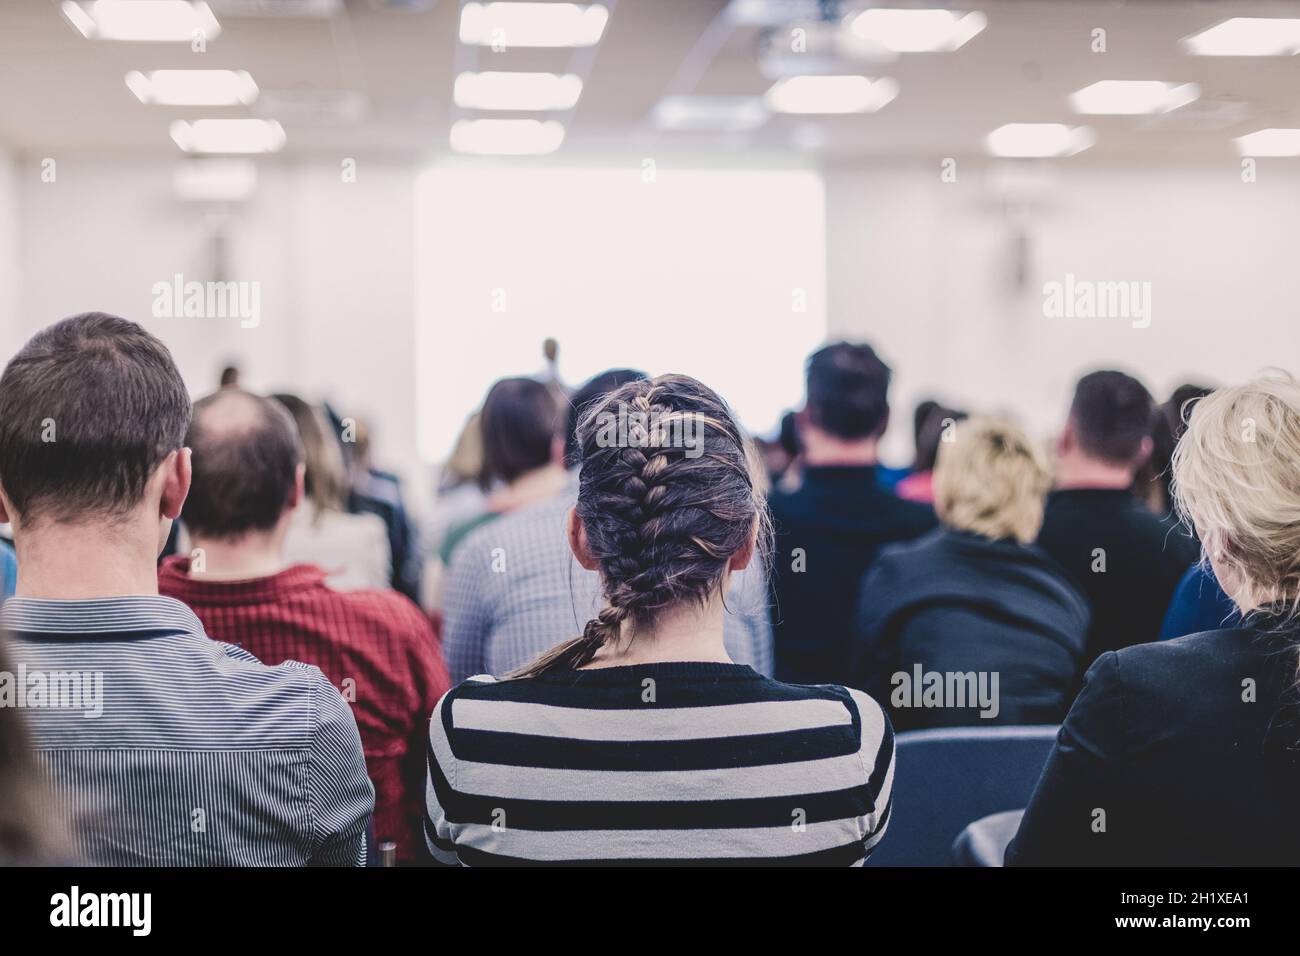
{"x":246,"y":457}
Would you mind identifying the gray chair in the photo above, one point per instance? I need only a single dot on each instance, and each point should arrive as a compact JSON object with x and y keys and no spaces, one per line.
{"x":947,"y":778}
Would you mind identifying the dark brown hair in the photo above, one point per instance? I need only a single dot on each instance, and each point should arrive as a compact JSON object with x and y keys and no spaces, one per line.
{"x":89,"y":408}
{"x":1113,"y":412}
{"x":246,"y":456}
{"x":518,"y":423}
{"x":848,"y":390}
{"x":662,"y":517}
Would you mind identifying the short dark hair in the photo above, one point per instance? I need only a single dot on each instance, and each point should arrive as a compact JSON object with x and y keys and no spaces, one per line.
{"x":246,"y":456}
{"x":595,"y":388}
{"x":848,"y":390}
{"x":89,"y":408}
{"x":518,"y":423}
{"x":1112,"y":413}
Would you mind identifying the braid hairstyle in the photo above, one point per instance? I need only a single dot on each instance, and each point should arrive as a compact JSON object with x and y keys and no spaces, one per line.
{"x":667,"y":495}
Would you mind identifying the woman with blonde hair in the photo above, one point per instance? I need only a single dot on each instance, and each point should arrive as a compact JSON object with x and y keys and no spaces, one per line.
{"x":639,"y":739}
{"x":975,"y":596}
{"x":1187,"y":752}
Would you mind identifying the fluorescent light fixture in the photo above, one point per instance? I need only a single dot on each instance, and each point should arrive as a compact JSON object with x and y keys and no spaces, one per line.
{"x":193,"y":87}
{"x":215,"y":180}
{"x":506,"y":137}
{"x":517,"y":91}
{"x":158,"y":21}
{"x":1132,"y":97}
{"x":916,"y":31}
{"x":228,"y":136}
{"x":731,"y":114}
{"x":830,"y":94}
{"x":1039,"y":140}
{"x":1246,"y":36}
{"x":532,"y":24}
{"x":1270,"y":142}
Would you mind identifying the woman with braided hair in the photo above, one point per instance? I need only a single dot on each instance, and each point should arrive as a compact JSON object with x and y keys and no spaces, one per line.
{"x":639,"y":740}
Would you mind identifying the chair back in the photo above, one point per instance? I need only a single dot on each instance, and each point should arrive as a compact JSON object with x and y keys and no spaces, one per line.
{"x":949,"y":777}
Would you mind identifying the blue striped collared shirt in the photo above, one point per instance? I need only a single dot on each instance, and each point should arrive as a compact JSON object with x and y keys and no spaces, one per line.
{"x":166,"y":748}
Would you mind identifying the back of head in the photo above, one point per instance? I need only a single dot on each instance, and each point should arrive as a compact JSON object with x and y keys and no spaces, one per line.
{"x":938,"y":422}
{"x":89,"y":408}
{"x":246,"y":455}
{"x":666,"y":497}
{"x":848,"y":391}
{"x":1112,"y":415}
{"x":1237,"y":482}
{"x":326,"y":479}
{"x":595,"y":389}
{"x":991,"y":480}
{"x":518,"y":425}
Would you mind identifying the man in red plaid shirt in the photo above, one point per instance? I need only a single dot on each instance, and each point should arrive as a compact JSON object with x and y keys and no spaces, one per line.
{"x":377,"y":647}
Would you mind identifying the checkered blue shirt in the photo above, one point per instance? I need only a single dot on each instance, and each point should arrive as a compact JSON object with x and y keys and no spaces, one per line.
{"x":515,"y":590}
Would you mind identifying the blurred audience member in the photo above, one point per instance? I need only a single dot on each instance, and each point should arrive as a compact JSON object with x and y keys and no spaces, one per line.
{"x":1189,"y":746}
{"x":1151,"y":484}
{"x":230,"y":376}
{"x":829,"y":530}
{"x":919,"y":484}
{"x":352,"y":549}
{"x":1126,"y":560}
{"x":1198,"y":604}
{"x":30,"y":832}
{"x":976,"y":595}
{"x":376,"y":492}
{"x":521,"y":458}
{"x":375,"y":646}
{"x":171,"y":749}
{"x":640,"y":740}
{"x":540,"y":595}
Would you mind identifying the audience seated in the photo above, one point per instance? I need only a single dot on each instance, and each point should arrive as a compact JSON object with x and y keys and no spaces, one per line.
{"x":829,"y":530}
{"x":172,"y":749}
{"x":640,"y":740}
{"x":375,"y":646}
{"x":514,"y":588}
{"x":1126,"y":560}
{"x":376,"y":492}
{"x":352,"y":548}
{"x":521,"y":458}
{"x":1182,"y":753}
{"x":919,"y":483}
{"x":975,"y":596}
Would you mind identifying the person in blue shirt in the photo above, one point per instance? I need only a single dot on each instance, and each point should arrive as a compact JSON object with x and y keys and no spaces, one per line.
{"x":1198,"y":604}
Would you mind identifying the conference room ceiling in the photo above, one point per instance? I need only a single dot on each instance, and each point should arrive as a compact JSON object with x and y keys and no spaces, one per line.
{"x":385,"y":75}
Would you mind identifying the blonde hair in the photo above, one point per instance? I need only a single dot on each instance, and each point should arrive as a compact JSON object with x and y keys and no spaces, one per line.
{"x":1237,"y":482}
{"x":990,"y":479}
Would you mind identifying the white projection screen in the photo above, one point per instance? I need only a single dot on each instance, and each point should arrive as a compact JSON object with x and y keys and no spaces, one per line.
{"x":716,"y":274}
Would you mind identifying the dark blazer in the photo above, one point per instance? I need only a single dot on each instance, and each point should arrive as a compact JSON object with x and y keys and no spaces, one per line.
{"x":827,"y":534}
{"x":955,"y":602}
{"x":1169,"y":750}
{"x":1144,"y":558}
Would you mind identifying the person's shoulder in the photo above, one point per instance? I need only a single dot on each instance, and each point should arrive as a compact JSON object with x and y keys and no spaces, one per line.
{"x":383,"y":607}
{"x":1206,"y":651}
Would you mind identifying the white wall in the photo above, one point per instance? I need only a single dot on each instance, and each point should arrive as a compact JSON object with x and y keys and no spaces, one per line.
{"x":920,"y":268}
{"x":10,"y":273}
{"x":915,"y":265}
{"x":333,"y":261}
